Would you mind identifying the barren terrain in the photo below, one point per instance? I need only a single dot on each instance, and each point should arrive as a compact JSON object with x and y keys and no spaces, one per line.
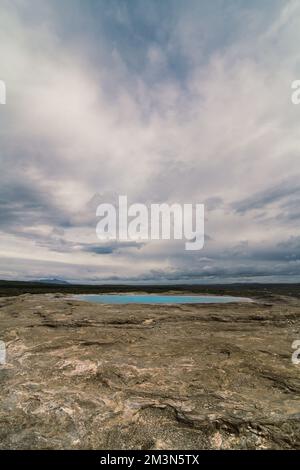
{"x":90,"y":376}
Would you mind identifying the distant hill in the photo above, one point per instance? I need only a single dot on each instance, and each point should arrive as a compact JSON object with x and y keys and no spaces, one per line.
{"x":52,"y":281}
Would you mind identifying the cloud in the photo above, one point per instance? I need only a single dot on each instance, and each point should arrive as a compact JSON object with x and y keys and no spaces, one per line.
{"x":286,"y":190}
{"x":162,"y":102}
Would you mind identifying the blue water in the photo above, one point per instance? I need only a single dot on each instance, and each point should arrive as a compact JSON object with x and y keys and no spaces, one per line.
{"x":158,"y":299}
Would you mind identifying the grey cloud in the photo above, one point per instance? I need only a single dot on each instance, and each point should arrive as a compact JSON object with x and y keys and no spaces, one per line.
{"x":56,"y":243}
{"x":269,"y":196}
{"x":113,"y":247}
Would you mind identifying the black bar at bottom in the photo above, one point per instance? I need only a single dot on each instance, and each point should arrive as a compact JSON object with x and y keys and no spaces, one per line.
{"x":136,"y":459}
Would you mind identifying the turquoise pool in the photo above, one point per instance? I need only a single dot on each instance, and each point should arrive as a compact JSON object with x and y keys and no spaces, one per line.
{"x":159,"y":299}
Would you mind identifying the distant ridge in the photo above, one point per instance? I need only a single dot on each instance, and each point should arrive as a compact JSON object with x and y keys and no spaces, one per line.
{"x":52,"y":281}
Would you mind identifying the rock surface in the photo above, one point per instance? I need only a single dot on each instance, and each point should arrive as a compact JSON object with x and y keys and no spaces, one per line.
{"x":90,"y":376}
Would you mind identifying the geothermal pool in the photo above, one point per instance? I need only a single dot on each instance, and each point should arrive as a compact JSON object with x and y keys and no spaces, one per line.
{"x":158,"y":299}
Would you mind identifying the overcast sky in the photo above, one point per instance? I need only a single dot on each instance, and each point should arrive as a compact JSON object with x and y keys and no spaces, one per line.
{"x":164,"y":101}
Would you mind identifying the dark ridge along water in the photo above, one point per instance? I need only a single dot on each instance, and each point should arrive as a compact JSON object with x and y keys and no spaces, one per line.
{"x":159,"y":299}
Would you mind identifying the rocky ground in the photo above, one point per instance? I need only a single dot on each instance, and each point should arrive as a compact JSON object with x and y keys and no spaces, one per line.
{"x":88,"y":376}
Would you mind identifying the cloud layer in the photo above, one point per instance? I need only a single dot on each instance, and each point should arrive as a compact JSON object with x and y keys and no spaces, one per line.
{"x":160,"y":101}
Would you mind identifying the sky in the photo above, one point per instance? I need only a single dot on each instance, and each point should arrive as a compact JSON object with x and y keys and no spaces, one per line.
{"x":165,"y":102}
